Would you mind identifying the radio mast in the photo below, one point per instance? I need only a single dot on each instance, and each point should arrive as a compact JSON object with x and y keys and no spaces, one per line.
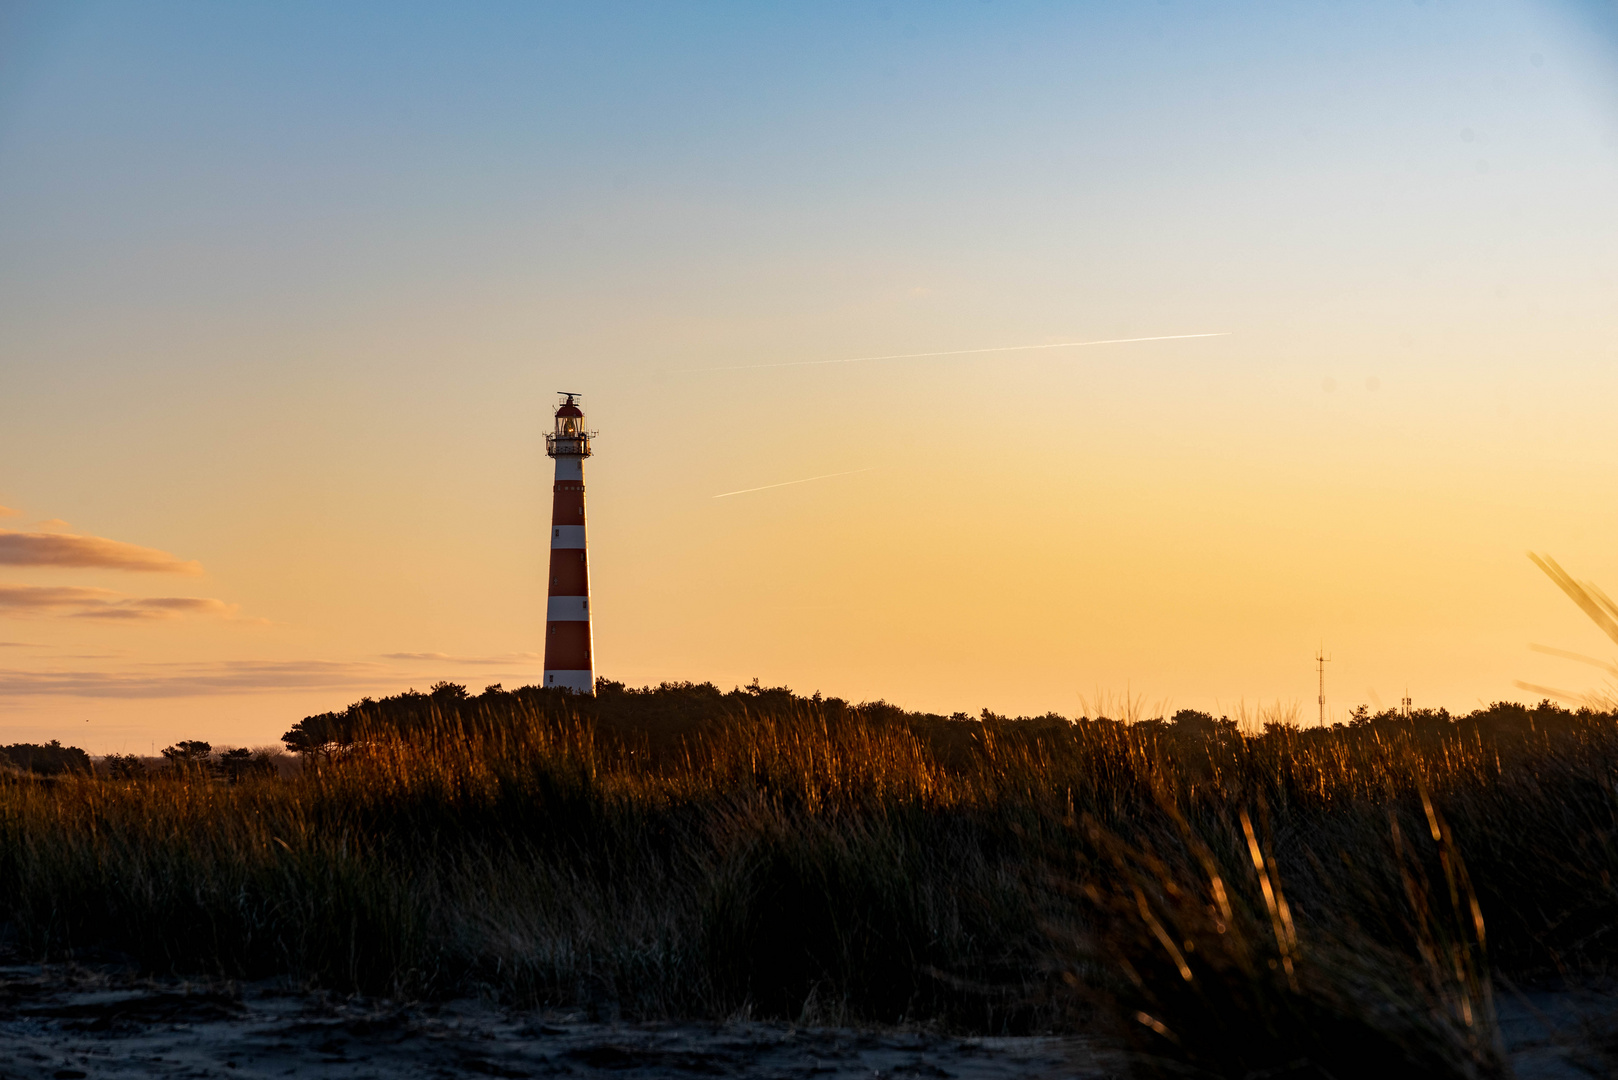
{"x":1321,"y":660}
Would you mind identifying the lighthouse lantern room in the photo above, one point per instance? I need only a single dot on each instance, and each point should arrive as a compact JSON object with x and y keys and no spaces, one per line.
{"x":569,"y":648}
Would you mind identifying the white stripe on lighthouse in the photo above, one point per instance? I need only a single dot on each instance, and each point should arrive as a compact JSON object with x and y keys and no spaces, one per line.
{"x":568,"y":609}
{"x":580,"y":682}
{"x":567,"y":536}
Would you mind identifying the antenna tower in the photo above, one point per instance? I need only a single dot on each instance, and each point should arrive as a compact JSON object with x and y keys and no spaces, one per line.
{"x":1321,"y":660}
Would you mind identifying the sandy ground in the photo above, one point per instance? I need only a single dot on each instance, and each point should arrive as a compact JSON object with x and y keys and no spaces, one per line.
{"x":1560,"y":1035}
{"x":69,"y":1023}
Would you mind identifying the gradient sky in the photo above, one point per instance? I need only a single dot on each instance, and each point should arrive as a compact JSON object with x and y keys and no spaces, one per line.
{"x":285,"y":291}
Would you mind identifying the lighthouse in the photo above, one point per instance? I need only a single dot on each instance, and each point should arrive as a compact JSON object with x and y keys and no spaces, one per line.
{"x":569,"y":655}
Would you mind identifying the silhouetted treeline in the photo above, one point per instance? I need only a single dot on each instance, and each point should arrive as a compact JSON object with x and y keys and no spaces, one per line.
{"x":656,"y":717}
{"x":189,"y":758}
{"x":49,"y":759}
{"x":662,"y":717}
{"x":195,"y":757}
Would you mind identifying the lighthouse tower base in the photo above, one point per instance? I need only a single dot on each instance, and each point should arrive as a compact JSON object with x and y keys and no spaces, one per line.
{"x":580,"y":682}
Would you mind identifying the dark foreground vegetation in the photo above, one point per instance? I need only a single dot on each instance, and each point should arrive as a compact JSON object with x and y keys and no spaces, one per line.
{"x":1282,"y":902}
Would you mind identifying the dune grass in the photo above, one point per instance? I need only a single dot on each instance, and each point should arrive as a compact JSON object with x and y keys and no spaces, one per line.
{"x":1215,"y":900}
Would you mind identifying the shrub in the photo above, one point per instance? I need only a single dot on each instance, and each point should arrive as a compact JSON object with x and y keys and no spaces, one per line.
{"x":50,"y":759}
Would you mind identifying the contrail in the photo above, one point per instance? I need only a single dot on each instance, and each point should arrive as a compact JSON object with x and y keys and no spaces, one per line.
{"x":789,"y":483}
{"x":970,"y":352}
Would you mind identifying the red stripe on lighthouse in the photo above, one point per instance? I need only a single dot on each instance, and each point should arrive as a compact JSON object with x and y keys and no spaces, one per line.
{"x":567,"y":646}
{"x":567,"y":504}
{"x":570,"y":572}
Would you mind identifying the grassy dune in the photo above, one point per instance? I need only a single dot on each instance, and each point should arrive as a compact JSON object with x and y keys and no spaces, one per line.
{"x":1233,"y":902}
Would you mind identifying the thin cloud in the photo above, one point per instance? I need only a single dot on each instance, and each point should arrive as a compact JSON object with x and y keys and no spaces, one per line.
{"x":67,"y":549}
{"x":76,"y":602}
{"x":224,"y":677}
{"x":52,"y":524}
{"x":789,"y":483}
{"x":162,"y":607}
{"x":45,"y":598}
{"x":6,"y":511}
{"x":972,"y":352}
{"x":479,"y":661}
{"x":178,"y":680}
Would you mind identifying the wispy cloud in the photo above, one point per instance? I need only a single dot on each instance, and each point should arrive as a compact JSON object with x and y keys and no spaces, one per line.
{"x":223,"y":677}
{"x":176,"y":680}
{"x":68,"y":549}
{"x":52,"y":525}
{"x":161,"y":607}
{"x":972,"y":352}
{"x":6,"y":511}
{"x":789,"y":483}
{"x":478,"y":661}
{"x":47,"y":598}
{"x":77,"y":602}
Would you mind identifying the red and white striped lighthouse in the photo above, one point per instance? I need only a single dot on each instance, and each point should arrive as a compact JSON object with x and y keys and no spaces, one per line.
{"x":569,"y":650}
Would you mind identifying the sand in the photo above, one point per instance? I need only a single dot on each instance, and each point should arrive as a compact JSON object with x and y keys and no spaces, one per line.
{"x":71,"y":1023}
{"x":74,"y":1022}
